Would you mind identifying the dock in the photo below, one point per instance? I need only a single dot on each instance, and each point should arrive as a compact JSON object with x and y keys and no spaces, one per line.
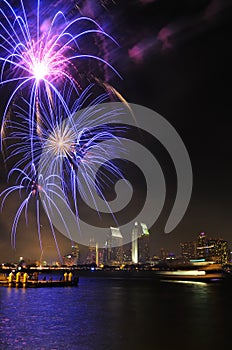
{"x":39,"y":283}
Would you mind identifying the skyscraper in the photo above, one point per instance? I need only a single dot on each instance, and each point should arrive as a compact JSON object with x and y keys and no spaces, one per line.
{"x":116,"y":245}
{"x":219,"y":251}
{"x":143,"y":243}
{"x":134,"y":239}
{"x":91,"y":255}
{"x":202,"y":246}
{"x":188,"y":250}
{"x":76,"y":253}
{"x":113,"y":250}
{"x":72,"y":258}
{"x":140,"y":243}
{"x":215,"y":249}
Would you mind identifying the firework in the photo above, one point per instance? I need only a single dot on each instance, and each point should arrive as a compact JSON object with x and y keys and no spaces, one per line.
{"x":40,"y":190}
{"x":70,"y":144}
{"x":38,"y":54}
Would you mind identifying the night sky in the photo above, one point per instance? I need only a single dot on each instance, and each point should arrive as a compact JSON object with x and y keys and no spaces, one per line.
{"x":175,"y":59}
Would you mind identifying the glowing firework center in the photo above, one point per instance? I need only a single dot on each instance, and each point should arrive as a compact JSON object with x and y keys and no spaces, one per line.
{"x":40,"y":70}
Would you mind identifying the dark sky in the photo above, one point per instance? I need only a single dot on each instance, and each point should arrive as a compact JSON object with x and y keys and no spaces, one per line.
{"x":174,"y":59}
{"x":187,"y":81}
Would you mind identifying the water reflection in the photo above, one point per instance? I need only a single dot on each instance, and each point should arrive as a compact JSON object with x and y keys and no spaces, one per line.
{"x":203,"y":284}
{"x":115,"y":314}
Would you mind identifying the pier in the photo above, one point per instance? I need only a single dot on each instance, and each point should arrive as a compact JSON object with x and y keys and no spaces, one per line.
{"x":22,"y":281}
{"x":39,"y":284}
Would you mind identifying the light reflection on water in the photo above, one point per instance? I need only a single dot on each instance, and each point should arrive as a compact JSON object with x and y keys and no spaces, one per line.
{"x":117,"y":314}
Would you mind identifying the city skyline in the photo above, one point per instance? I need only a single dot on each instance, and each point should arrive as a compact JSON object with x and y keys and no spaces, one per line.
{"x":186,"y":82}
{"x":136,"y":252}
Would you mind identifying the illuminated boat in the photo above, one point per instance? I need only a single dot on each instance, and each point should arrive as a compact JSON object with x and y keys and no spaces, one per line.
{"x":207,"y":272}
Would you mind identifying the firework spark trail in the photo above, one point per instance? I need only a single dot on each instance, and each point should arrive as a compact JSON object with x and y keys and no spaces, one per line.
{"x":72,"y":147}
{"x":39,"y":189}
{"x":65,"y":139}
{"x":41,"y":60}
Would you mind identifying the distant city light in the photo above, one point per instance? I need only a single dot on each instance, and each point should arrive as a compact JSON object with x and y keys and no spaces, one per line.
{"x":197,"y":260}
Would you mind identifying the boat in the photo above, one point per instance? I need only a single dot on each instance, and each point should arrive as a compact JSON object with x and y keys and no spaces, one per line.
{"x":208,"y":272}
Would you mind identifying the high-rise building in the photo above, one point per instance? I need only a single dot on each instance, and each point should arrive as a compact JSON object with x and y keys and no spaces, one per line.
{"x":202,"y":246}
{"x":219,"y":250}
{"x":212,"y":249}
{"x":127,"y":253}
{"x":113,"y":250}
{"x":188,"y":250}
{"x":91,"y":255}
{"x":116,"y":245}
{"x":140,"y":243}
{"x":97,"y":254}
{"x":143,"y":242}
{"x":72,"y":258}
{"x":76,"y":253}
{"x":134,"y":239}
{"x":107,"y":252}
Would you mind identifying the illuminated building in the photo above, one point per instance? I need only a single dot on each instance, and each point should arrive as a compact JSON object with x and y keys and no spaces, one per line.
{"x":219,"y":251}
{"x":188,"y":250}
{"x":140,"y":243}
{"x":143,"y":243}
{"x":97,"y":254}
{"x":91,"y":255}
{"x":134,"y":239}
{"x":127,"y":253}
{"x":212,"y":249}
{"x":76,"y":253}
{"x":202,"y":246}
{"x":116,"y":245}
{"x":113,"y":250}
{"x":72,"y":258}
